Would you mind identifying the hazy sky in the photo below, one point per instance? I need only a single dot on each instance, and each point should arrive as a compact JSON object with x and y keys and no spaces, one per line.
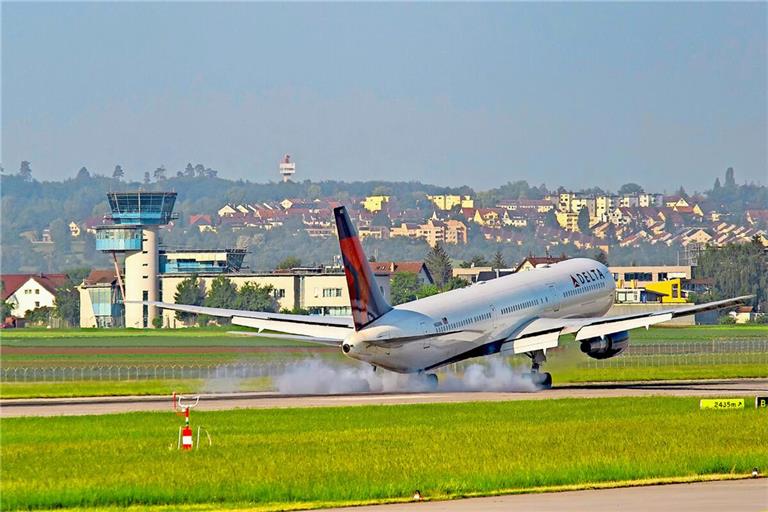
{"x":459,"y":93}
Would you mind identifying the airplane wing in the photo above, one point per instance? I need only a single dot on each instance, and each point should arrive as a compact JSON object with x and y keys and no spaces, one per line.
{"x":314,"y":329}
{"x":544,"y":333}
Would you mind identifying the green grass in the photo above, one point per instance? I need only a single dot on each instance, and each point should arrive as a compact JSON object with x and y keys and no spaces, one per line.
{"x":687,"y":372}
{"x":703,"y":333}
{"x":379,"y":453}
{"x":181,"y":339}
{"x":123,"y":388}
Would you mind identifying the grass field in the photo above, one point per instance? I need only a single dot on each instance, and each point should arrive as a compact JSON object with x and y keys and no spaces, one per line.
{"x":193,"y":337}
{"x":318,"y":456}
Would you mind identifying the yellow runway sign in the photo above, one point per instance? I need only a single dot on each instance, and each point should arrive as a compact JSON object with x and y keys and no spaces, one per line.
{"x":721,"y":403}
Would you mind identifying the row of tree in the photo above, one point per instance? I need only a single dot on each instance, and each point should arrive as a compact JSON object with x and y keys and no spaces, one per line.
{"x":736,"y":270}
{"x":223,"y":293}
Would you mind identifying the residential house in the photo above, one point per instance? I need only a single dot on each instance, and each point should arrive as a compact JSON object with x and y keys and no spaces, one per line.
{"x":227,"y":210}
{"x":74,"y":229}
{"x":532,"y":262}
{"x":203,"y":223}
{"x":27,"y":292}
{"x":395,"y":267}
{"x":374,"y":203}
{"x":757,"y":217}
{"x":673,"y":201}
{"x":448,"y":202}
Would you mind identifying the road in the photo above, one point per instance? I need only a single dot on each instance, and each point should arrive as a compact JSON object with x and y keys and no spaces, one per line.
{"x":742,"y":495}
{"x":212,"y":402}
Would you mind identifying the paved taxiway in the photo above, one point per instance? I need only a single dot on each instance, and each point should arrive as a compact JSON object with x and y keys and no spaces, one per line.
{"x":743,"y":495}
{"x":221,"y":401}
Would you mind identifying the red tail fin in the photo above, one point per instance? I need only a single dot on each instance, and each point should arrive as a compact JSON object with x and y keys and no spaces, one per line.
{"x":365,"y":298}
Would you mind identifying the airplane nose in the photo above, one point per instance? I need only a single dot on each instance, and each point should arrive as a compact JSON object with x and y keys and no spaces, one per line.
{"x":346,"y":347}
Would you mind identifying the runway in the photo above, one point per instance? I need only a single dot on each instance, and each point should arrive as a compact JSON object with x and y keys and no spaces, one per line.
{"x":747,"y":388}
{"x":743,"y":495}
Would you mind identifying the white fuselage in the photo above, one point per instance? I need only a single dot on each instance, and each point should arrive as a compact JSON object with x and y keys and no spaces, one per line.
{"x":461,"y":323}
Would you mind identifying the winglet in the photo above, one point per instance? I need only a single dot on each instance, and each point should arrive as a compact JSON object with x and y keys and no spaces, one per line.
{"x":365,"y":298}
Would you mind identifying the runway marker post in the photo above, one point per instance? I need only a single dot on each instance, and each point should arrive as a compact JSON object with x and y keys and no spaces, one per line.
{"x":182,"y":406}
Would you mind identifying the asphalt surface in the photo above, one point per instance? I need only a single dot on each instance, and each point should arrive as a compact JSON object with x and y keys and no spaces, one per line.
{"x":742,"y":495}
{"x":211,"y":402}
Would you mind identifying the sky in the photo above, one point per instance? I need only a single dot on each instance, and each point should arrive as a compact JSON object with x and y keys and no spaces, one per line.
{"x":572,"y":94}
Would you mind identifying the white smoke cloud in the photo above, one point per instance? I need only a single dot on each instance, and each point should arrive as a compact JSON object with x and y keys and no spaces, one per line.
{"x":317,"y":377}
{"x":494,"y":374}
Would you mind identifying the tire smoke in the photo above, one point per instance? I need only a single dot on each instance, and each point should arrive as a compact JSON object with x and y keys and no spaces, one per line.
{"x":318,"y":377}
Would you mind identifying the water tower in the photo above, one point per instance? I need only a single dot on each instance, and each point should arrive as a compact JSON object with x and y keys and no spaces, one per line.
{"x":287,"y":168}
{"x":136,"y":217}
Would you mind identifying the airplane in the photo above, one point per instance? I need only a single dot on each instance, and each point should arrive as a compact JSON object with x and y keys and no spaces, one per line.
{"x":522,"y":313}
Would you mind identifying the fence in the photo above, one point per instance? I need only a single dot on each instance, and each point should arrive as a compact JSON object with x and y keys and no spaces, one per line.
{"x":686,"y":353}
{"x":141,"y":372}
{"x":640,"y":355}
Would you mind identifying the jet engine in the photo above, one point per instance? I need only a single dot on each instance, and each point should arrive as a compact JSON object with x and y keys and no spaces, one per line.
{"x":606,"y":347}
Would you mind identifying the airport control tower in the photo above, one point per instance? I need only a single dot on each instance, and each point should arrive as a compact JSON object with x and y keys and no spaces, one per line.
{"x":136,"y":217}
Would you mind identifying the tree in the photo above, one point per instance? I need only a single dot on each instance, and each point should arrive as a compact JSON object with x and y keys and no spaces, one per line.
{"x":189,"y":291}
{"x":288,"y":263}
{"x":716,"y":187}
{"x":159,"y":173}
{"x":146,"y":178}
{"x":498,"y":260}
{"x":427,"y":290}
{"x":404,"y":287}
{"x":583,"y":221}
{"x":200,"y":170}
{"x":61,"y":234}
{"x":189,"y":171}
{"x":67,"y":304}
{"x":5,"y":310}
{"x":550,"y":220}
{"x":252,"y":297}
{"x":730,"y":178}
{"x":210,"y":173}
{"x":77,"y":274}
{"x":25,"y":171}
{"x":83,"y":174}
{"x":735,"y":270}
{"x":681,"y":192}
{"x":39,"y":316}
{"x":118,"y":173}
{"x":381,"y":219}
{"x":223,"y":294}
{"x":454,"y":283}
{"x":475,"y":261}
{"x":601,"y":257}
{"x":630,"y":189}
{"x":439,"y":265}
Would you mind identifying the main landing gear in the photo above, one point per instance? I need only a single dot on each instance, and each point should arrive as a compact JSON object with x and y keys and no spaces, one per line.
{"x":428,"y":381}
{"x":543,"y":380}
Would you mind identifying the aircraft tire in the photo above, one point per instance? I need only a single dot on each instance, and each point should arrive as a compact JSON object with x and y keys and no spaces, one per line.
{"x":431,"y":381}
{"x":545,"y":380}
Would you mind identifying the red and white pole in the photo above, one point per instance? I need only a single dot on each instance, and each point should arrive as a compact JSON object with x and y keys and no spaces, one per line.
{"x":186,"y":433}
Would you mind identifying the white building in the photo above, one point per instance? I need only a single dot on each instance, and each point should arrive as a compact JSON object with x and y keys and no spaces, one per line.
{"x":27,"y":292}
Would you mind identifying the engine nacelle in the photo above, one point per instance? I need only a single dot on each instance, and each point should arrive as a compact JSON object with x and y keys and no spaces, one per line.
{"x":606,"y":347}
